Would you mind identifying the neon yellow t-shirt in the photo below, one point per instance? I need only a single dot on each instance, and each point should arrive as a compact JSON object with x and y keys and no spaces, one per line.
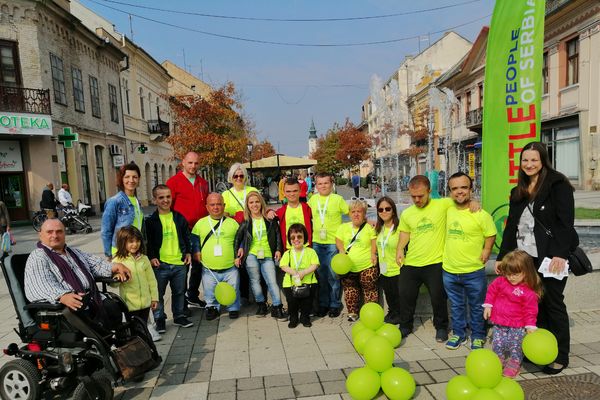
{"x":465,"y":237}
{"x":427,"y":227}
{"x":360,"y":252}
{"x":170,"y":252}
{"x":305,"y":261}
{"x":138,"y":216}
{"x":293,"y":216}
{"x":259,"y":226}
{"x":235,"y":201}
{"x":332,"y":207}
{"x":222,"y":239}
{"x":387,"y":263}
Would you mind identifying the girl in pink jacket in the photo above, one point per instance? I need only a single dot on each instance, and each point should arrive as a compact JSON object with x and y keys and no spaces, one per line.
{"x":511,"y":304}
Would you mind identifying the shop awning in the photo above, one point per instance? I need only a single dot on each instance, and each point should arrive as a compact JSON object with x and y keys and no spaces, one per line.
{"x":280,"y":161}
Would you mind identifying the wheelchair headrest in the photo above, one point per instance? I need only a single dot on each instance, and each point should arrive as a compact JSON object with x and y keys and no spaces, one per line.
{"x":13,"y":268}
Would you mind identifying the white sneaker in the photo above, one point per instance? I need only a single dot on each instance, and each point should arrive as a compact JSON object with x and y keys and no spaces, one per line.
{"x":155,"y":335}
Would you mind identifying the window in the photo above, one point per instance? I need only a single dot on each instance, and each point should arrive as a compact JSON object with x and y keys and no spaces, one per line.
{"x":78,"y":90}
{"x":112,"y":101}
{"x":563,"y":149}
{"x":468,"y":106}
{"x":58,"y":80}
{"x":573,"y":61}
{"x":458,"y":107}
{"x":10,"y":74}
{"x":150,"y":105}
{"x":126,"y":87}
{"x":545,"y":83}
{"x":95,"y":96}
{"x":100,"y":176}
{"x":85,"y":176}
{"x":480,"y":86}
{"x":142,"y":104}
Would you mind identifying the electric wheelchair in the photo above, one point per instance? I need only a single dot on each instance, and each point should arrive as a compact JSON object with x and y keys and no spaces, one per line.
{"x":64,"y":353}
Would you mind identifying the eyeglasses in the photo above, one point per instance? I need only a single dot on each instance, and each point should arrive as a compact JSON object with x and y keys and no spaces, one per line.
{"x":238,"y":176}
{"x":386,"y":209}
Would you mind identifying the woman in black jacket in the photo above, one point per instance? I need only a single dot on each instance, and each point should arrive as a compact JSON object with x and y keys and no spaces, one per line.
{"x":258,"y":246}
{"x":541,"y":222}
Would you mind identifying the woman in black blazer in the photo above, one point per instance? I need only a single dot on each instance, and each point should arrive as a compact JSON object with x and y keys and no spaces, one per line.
{"x":541,"y":222}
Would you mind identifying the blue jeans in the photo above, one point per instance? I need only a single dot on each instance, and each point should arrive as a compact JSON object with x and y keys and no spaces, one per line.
{"x":175,"y":276}
{"x":231,"y":276}
{"x":329,"y":284}
{"x":463,"y":289}
{"x":266,"y":267}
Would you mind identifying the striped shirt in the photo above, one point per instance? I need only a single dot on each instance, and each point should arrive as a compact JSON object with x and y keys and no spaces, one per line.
{"x":43,"y":281}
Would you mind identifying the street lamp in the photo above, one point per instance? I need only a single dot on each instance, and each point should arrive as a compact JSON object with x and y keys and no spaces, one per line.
{"x":250,"y":146}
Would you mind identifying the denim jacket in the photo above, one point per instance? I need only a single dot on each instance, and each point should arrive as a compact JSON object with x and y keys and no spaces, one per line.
{"x":118,"y":212}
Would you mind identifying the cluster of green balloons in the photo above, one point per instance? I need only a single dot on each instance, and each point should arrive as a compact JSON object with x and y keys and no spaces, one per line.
{"x":225,"y":294}
{"x":341,"y":264}
{"x":484,"y":380}
{"x":540,"y":347}
{"x":375,"y":341}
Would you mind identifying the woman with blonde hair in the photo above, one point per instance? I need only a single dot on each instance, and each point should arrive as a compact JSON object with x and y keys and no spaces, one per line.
{"x":235,"y":197}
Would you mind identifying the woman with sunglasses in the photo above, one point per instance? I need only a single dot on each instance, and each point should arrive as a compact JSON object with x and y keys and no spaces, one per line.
{"x":357,"y":239}
{"x":386,"y":229}
{"x":235,"y":197}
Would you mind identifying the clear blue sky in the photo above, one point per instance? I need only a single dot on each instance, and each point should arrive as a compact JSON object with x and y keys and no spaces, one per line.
{"x":284,"y":87}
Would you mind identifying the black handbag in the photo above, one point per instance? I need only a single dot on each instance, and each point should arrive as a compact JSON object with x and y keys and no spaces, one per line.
{"x":579,"y":263}
{"x":300,"y":292}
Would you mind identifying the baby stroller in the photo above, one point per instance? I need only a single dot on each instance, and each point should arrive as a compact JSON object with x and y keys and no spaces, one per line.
{"x":65,"y":353}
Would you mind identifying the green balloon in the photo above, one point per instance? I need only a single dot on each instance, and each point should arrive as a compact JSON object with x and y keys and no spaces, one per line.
{"x":391,"y":333}
{"x":460,"y":388}
{"x":540,"y":347}
{"x":357,"y":327}
{"x":372,"y":315}
{"x":509,"y":389}
{"x":361,"y":340}
{"x":341,"y":264}
{"x":379,"y":354}
{"x":225,"y":294}
{"x":363,"y":383}
{"x":484,"y":368}
{"x":486,"y":394}
{"x":398,"y":384}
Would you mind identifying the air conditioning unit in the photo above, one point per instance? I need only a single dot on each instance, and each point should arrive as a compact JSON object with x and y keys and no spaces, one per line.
{"x":115,"y":150}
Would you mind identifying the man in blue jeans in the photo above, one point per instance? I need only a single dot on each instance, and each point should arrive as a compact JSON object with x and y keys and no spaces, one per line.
{"x":469,"y":240}
{"x":169,"y":251}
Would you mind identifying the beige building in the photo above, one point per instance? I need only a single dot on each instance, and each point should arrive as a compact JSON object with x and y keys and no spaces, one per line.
{"x":56,"y":74}
{"x":183,"y":83}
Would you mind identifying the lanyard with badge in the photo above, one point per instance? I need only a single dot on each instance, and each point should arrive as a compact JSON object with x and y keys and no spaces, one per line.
{"x":383,"y":264}
{"x":217,"y":249}
{"x":322,"y":213}
{"x":297,"y":262}
{"x":258,"y":226}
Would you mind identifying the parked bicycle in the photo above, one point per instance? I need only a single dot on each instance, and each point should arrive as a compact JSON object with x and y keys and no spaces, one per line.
{"x":74,"y":219}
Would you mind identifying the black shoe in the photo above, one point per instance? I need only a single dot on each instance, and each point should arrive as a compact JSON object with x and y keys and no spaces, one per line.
{"x":195,"y":302}
{"x":161,"y":326}
{"x":183,"y":322}
{"x":278,"y":313}
{"x":234,"y":314}
{"x":548,"y":370}
{"x":293,"y":323}
{"x":405,"y":332}
{"x":322,"y":312}
{"x":262,"y":310}
{"x":392,"y":318}
{"x":306,"y":322}
{"x":441,"y":335}
{"x":211,"y":313}
{"x":334,"y":312}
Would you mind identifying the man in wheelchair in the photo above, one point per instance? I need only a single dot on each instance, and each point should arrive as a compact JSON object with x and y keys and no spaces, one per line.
{"x":77,"y":338}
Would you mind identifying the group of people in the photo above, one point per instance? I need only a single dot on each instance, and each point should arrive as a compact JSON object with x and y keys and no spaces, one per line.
{"x":441,"y":243}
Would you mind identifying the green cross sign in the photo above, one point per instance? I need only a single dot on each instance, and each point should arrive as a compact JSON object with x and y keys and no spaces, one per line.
{"x":68,"y":137}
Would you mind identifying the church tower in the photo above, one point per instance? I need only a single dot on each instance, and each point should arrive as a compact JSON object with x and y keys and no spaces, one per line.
{"x":312,"y":138}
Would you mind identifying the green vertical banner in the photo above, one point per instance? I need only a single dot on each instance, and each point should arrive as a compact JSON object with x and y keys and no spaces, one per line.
{"x":512,"y":98}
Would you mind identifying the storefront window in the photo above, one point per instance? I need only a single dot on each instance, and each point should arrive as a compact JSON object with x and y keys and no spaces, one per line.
{"x":563,"y":148}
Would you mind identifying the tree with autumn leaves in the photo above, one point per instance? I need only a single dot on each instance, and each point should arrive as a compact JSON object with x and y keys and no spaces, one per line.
{"x":343,"y":147}
{"x":215,"y":128}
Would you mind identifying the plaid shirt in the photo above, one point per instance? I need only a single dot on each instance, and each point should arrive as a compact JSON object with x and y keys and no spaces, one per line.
{"x":43,"y":281}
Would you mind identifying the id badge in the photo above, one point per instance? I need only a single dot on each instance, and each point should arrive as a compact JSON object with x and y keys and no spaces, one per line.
{"x":260,"y":254}
{"x":323,"y":234}
{"x":217,"y":250}
{"x":382,"y":267}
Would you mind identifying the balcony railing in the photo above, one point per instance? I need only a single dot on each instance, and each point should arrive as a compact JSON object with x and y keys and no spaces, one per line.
{"x":157,"y":126}
{"x":25,"y":100}
{"x":474,"y":117}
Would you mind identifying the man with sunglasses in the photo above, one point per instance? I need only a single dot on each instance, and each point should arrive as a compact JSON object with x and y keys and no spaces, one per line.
{"x":189,"y":192}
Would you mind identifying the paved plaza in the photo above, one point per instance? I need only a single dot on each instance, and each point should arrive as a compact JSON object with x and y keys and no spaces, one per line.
{"x":261,"y":358}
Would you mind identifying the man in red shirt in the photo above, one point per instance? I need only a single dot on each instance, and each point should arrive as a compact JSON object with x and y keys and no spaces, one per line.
{"x":189,"y":191}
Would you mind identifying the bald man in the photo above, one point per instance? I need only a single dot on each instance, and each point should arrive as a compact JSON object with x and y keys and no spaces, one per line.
{"x":189,"y":192}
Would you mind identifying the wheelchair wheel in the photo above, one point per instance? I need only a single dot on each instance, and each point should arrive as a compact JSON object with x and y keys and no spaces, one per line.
{"x":19,"y":380}
{"x":38,"y":220}
{"x":103,"y":387}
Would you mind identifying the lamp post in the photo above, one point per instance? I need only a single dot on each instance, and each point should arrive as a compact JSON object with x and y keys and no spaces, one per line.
{"x":250,"y":146}
{"x":430,"y":126}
